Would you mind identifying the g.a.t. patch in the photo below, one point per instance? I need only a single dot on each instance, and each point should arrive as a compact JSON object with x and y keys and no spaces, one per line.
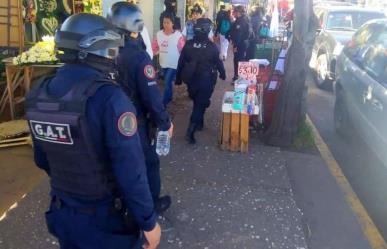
{"x":51,"y":132}
{"x":149,"y":72}
{"x":127,"y":124}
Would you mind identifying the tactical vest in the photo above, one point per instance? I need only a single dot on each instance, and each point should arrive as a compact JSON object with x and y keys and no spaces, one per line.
{"x":60,"y":127}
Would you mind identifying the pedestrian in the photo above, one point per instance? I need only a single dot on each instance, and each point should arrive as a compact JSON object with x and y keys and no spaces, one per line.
{"x":168,"y":44}
{"x":85,"y":137}
{"x":240,"y":34}
{"x":223,"y":26}
{"x":137,"y":78}
{"x":198,"y":67}
{"x":255,"y":20}
{"x":188,"y":31}
{"x":170,"y":9}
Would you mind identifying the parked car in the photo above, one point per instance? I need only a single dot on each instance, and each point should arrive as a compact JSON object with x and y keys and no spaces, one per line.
{"x":361,"y":87}
{"x":338,"y":24}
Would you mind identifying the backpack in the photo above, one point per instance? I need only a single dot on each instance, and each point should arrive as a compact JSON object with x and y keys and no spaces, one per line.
{"x":264,"y":31}
{"x":225,"y":27}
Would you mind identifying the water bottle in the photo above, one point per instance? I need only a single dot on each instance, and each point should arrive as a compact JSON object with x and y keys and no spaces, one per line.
{"x":162,"y":143}
{"x":251,"y":90}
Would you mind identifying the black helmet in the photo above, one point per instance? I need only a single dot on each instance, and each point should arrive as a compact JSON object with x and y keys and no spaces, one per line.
{"x":88,"y":34}
{"x":202,"y":26}
{"x":241,"y":9}
{"x":126,"y":16}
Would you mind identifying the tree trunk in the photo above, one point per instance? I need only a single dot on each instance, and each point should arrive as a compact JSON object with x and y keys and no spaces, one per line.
{"x":288,"y":111}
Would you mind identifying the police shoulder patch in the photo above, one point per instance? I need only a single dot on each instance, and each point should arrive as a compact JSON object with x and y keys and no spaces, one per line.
{"x":127,"y":124}
{"x":150,"y":72}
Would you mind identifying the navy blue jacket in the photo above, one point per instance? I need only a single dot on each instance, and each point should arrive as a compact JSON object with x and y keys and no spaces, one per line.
{"x":124,"y":153}
{"x":138,"y":79}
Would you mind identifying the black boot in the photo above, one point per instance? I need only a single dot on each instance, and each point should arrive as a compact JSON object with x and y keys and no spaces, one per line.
{"x":199,"y":127}
{"x":190,"y":135}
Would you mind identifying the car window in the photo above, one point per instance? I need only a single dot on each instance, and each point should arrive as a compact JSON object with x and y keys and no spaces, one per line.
{"x":361,"y":38}
{"x":375,"y":58}
{"x":350,"y":20}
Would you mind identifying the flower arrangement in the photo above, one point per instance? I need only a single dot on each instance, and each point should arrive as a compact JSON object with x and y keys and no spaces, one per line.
{"x":41,"y":53}
{"x":93,"y":6}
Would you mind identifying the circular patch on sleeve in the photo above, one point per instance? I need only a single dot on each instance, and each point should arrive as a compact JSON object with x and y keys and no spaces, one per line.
{"x":127,"y":124}
{"x":150,"y":72}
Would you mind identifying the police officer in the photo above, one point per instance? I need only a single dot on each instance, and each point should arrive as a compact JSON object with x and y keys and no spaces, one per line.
{"x":198,"y":65}
{"x":240,"y":35}
{"x":137,"y":77}
{"x":85,"y":137}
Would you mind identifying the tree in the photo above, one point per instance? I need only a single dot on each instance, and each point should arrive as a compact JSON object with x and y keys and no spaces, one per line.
{"x":287,"y":114}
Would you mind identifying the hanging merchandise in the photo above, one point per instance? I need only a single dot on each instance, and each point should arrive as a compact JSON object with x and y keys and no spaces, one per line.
{"x":274,"y":24}
{"x":47,"y":16}
{"x":29,"y":16}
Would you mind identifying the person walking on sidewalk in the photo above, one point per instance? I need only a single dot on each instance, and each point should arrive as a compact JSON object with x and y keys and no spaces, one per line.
{"x":137,"y":78}
{"x":223,"y":26}
{"x":240,"y":34}
{"x":168,"y":44}
{"x":198,"y":67}
{"x":85,"y":137}
{"x":255,"y":20}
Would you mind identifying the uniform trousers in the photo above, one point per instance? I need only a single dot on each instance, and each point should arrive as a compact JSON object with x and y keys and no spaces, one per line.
{"x":152,"y":161}
{"x":200,"y":91}
{"x":98,"y":227}
{"x":239,"y":55}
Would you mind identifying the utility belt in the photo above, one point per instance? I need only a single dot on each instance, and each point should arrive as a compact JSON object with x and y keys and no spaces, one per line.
{"x":113,"y":208}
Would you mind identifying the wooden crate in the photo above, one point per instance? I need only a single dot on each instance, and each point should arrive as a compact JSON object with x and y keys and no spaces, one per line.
{"x":234,"y":135}
{"x":234,"y":128}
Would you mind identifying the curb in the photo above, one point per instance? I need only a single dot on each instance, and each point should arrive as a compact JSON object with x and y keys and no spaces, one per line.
{"x":368,"y":227}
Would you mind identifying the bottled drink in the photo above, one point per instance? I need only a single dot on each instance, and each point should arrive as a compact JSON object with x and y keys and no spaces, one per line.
{"x":251,"y":98}
{"x":162,"y":143}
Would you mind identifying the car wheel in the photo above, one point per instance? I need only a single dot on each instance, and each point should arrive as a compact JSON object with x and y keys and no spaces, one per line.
{"x":342,"y":123}
{"x":322,"y":72}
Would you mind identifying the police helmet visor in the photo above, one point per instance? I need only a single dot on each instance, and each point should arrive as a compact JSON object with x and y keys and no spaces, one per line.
{"x":127,"y":17}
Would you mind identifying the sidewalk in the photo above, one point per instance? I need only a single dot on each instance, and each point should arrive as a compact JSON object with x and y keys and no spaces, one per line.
{"x":224,"y":200}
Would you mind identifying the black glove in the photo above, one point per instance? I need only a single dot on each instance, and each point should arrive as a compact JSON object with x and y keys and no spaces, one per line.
{"x":222,"y":77}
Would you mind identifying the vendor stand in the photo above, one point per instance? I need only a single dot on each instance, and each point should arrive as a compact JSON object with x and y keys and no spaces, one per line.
{"x":32,"y":20}
{"x":19,"y":81}
{"x":237,"y":108}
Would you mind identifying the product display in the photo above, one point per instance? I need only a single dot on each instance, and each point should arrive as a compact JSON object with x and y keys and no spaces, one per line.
{"x":41,"y":53}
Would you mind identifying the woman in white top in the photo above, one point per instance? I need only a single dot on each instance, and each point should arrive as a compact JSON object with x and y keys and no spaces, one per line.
{"x":168,"y":44}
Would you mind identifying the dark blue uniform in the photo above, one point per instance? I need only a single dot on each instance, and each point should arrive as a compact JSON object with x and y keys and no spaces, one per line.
{"x":240,"y":34}
{"x":204,"y":56}
{"x":82,"y":220}
{"x":138,"y":78}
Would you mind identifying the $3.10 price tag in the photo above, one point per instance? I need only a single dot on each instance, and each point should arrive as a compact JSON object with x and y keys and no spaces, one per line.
{"x":248,"y":70}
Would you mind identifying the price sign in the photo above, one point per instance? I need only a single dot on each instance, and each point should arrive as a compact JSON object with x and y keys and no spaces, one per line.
{"x":248,"y":70}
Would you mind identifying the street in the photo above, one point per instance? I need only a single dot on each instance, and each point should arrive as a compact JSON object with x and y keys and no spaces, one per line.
{"x":362,"y":168}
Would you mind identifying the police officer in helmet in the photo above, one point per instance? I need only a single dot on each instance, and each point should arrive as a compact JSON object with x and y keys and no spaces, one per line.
{"x":85,"y":137}
{"x":198,"y":67}
{"x":240,"y":34}
{"x":137,"y":76}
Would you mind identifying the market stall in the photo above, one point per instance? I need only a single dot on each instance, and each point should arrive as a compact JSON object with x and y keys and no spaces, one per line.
{"x":30,"y":25}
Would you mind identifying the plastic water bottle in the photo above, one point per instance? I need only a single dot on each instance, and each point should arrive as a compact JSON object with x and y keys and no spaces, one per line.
{"x":163,"y":143}
{"x":251,"y":90}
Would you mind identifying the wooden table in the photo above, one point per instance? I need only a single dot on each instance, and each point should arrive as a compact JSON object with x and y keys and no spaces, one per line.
{"x":19,"y":80}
